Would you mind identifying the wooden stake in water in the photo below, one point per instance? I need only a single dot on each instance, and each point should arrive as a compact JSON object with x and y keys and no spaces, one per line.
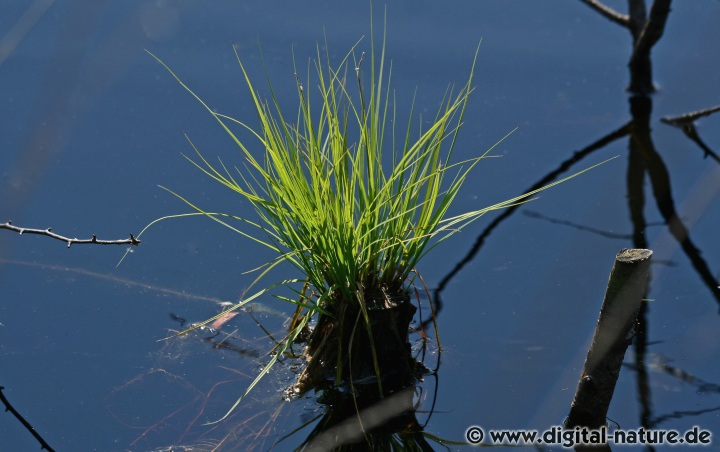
{"x":613,"y":335}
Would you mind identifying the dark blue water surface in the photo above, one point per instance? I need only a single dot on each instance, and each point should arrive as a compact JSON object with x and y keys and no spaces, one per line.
{"x":90,"y":124}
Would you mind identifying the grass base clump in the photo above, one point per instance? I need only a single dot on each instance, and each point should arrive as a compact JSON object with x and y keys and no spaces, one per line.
{"x":349,"y":351}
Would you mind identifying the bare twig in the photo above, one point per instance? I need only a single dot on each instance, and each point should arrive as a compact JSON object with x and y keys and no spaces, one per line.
{"x":30,"y":428}
{"x":686,"y":122}
{"x":48,"y":232}
{"x":609,"y":13}
{"x":688,"y":118}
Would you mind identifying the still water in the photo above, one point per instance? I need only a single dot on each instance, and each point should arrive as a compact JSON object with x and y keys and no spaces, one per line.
{"x":91,"y":125}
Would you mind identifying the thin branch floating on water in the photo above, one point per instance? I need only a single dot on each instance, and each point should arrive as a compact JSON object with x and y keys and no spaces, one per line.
{"x":48,"y":232}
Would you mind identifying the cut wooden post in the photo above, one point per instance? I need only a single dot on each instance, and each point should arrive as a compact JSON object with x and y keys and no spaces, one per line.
{"x":613,"y":334}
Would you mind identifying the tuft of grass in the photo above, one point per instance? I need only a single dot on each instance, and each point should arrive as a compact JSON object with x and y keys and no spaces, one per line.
{"x":339,"y":192}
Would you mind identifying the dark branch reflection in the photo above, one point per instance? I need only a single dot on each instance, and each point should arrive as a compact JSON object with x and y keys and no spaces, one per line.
{"x":563,"y":168}
{"x":643,"y":160}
